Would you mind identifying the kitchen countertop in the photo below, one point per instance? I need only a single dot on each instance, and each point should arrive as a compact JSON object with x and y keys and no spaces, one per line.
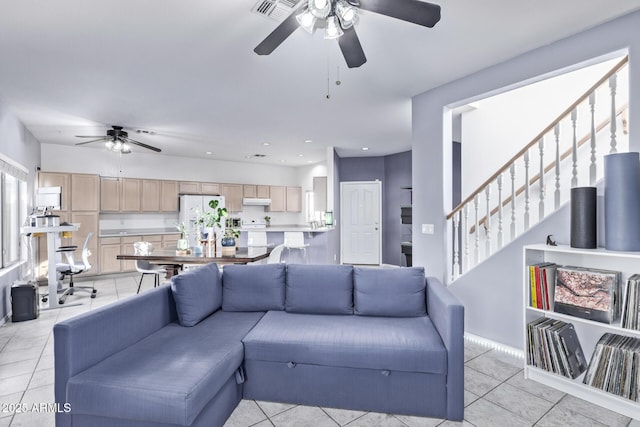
{"x":137,"y":232}
{"x":290,"y":227}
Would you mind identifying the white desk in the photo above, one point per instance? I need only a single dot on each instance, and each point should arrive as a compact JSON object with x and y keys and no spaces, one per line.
{"x":53,"y":242}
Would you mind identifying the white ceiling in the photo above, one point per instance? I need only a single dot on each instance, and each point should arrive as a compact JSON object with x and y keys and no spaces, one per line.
{"x":186,"y":70}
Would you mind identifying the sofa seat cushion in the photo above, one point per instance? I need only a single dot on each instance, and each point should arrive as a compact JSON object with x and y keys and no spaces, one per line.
{"x":169,"y":376}
{"x":409,"y":344}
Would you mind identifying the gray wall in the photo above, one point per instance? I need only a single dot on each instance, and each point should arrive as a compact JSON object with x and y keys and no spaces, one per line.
{"x":16,"y":143}
{"x":394,"y":171}
{"x":431,"y":147}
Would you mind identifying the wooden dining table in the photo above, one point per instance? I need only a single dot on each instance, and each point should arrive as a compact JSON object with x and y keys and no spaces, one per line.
{"x":174,"y":262}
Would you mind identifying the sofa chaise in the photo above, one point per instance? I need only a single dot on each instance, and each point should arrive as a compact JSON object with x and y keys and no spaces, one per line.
{"x":185,"y":354}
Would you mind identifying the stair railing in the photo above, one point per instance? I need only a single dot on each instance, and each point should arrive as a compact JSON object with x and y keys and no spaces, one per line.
{"x":466,"y":246}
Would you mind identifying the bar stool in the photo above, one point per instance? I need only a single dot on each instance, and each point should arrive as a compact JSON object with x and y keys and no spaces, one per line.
{"x":295,"y":240}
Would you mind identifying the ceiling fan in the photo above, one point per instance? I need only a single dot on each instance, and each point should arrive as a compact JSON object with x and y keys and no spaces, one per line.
{"x":338,"y":17}
{"x":117,"y":140}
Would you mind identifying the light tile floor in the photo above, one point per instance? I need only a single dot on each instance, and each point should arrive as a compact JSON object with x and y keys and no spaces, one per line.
{"x":496,"y":393}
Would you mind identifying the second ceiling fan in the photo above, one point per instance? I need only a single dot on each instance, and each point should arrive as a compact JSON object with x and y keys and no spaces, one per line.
{"x":337,"y":18}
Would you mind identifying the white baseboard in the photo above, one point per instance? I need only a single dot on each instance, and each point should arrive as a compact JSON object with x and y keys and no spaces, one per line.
{"x":512,"y":351}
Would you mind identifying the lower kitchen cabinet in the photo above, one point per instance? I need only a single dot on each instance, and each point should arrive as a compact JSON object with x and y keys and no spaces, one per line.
{"x":109,"y":250}
{"x":170,"y":241}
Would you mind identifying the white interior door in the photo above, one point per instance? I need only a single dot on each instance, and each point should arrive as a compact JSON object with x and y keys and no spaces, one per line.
{"x":360,"y":222}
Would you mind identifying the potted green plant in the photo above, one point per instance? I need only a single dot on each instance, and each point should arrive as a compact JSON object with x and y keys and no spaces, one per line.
{"x":267,"y":220}
{"x":183,"y":242}
{"x":212,"y":218}
{"x":230,"y":236}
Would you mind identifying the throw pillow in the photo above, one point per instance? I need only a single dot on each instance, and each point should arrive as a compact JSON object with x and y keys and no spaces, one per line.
{"x":253,"y":287}
{"x":197,"y":293}
{"x":319,"y":289}
{"x":393,"y":292}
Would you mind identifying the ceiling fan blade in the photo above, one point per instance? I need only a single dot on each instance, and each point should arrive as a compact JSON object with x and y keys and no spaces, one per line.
{"x":415,"y":11}
{"x":351,"y":48}
{"x":277,"y":36}
{"x":93,"y":140}
{"x":88,"y":136}
{"x":141,"y":144}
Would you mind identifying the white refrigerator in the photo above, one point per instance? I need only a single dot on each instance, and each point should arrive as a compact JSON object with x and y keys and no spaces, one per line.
{"x":190,"y":207}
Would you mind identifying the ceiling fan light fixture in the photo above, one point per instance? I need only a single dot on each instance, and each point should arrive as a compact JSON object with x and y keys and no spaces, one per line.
{"x":319,"y":8}
{"x":126,"y":149}
{"x":333,"y":30}
{"x":117,"y":146}
{"x":109,"y":144}
{"x":346,"y":14}
{"x":307,"y":21}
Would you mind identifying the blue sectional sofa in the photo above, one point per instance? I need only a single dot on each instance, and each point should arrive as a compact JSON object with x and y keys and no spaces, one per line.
{"x":185,"y":354}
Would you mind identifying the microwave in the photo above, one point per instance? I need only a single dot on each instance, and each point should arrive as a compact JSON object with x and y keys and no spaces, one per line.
{"x":234,"y":222}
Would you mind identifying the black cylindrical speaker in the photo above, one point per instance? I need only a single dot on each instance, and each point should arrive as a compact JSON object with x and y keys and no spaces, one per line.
{"x":622,"y":201}
{"x":584,"y":217}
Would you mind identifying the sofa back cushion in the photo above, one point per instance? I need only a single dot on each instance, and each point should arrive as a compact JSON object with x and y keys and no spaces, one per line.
{"x":197,"y":293}
{"x":253,"y":287}
{"x":393,"y":292}
{"x":319,"y":289}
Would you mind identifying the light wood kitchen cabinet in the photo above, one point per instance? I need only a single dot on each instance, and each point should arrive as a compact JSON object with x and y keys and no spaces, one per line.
{"x":130,"y":195}
{"x":57,"y":179}
{"x":262,"y":191}
{"x":170,"y":241}
{"x":168,"y":196}
{"x":85,"y":192}
{"x":278,"y":199}
{"x":255,"y":191}
{"x":109,"y":194}
{"x":210,"y":188}
{"x":294,"y":199}
{"x":109,"y":250}
{"x":249,"y":190}
{"x":126,"y":247}
{"x":232,"y":197}
{"x":189,"y":187}
{"x":150,"y":200}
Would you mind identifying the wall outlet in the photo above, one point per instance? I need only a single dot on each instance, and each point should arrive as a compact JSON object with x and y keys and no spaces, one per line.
{"x":428,"y":229}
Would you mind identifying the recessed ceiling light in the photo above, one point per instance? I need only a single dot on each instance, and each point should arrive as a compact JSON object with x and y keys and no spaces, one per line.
{"x":365,"y":148}
{"x":309,"y":161}
{"x":266,"y":144}
{"x":307,"y":141}
{"x":300,"y":155}
{"x":283,"y":161}
{"x":208,"y":152}
{"x":248,"y":157}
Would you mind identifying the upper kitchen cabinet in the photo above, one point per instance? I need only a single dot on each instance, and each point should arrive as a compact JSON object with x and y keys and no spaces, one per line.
{"x":150,"y":195}
{"x":85,"y":192}
{"x":255,"y":191}
{"x":278,"y":199}
{"x":130,"y":196}
{"x":262,"y":192}
{"x":210,"y":188}
{"x":320,"y":193}
{"x":56,"y":179}
{"x":294,"y":199}
{"x":189,"y":187}
{"x":232,"y":197}
{"x":168,"y":196}
{"x":109,"y":194}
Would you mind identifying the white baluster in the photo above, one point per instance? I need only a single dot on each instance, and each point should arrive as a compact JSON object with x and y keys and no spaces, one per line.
{"x":456,"y":234}
{"x":574,"y":149}
{"x":512,"y":171}
{"x":487,"y":221}
{"x":476,"y":249}
{"x":526,"y":190}
{"x":465,"y":228}
{"x":541,"y":203}
{"x":613,"y":82}
{"x":500,"y":236}
{"x":556,"y":132}
{"x":593,"y":167}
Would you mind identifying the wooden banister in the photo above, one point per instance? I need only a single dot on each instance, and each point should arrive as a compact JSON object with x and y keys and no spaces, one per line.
{"x":537,"y":138}
{"x":621,"y":111}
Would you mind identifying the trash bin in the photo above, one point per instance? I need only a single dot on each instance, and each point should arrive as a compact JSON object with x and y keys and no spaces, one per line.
{"x":24,"y":301}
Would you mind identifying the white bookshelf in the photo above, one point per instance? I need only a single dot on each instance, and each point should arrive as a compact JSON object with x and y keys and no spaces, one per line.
{"x":589,"y":332}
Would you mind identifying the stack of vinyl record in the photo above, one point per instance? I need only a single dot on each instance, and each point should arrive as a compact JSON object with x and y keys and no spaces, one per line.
{"x":554,"y":347}
{"x":615,"y":366}
{"x":631,"y":304}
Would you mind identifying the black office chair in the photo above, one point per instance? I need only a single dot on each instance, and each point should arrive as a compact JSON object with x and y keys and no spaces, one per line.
{"x":70,"y":268}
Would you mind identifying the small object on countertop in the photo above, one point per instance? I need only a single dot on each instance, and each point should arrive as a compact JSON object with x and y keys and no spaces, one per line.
{"x":550,"y":241}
